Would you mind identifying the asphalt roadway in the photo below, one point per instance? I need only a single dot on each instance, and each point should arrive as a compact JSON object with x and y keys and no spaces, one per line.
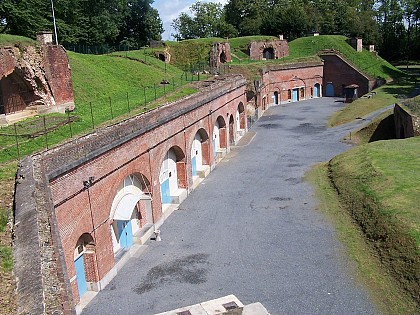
{"x":251,"y":229}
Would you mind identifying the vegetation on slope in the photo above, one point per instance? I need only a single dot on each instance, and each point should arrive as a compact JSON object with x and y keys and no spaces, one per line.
{"x":14,"y":40}
{"x":378,"y":185}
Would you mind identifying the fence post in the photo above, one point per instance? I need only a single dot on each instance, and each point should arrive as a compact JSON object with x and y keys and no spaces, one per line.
{"x":69,"y":122}
{"x":128,"y":104}
{"x":154,"y":85}
{"x":17,"y":142}
{"x":91,"y":115}
{"x":110,"y":106}
{"x":46,"y":133}
{"x":144,"y":92}
{"x":173,"y":84}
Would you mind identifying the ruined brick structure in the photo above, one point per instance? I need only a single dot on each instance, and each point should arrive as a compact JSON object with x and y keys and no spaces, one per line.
{"x":134,"y":174}
{"x":269,"y":49}
{"x":34,"y":79}
{"x":219,"y":54}
{"x":356,"y":43}
{"x":164,"y":55}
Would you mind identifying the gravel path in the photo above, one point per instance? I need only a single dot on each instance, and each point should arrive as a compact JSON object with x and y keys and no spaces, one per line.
{"x":251,"y":229}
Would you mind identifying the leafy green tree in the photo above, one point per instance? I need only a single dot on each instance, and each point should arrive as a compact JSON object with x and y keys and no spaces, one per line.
{"x":25,"y":17}
{"x":141,"y":25}
{"x":206,"y":20}
{"x":247,"y":17}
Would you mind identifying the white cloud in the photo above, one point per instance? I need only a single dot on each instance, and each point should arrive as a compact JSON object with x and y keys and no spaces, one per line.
{"x":170,"y":10}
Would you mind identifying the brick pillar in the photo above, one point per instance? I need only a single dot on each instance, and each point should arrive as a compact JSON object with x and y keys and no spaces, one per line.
{"x":205,"y":151}
{"x":90,"y":266}
{"x":222,"y":137}
{"x":242,"y":119}
{"x":182,"y":174}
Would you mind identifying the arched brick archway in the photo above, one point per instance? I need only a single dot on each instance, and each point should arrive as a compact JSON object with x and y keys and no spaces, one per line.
{"x":172,"y":176}
{"x":131,"y":210}
{"x":200,"y":152}
{"x":85,"y":265}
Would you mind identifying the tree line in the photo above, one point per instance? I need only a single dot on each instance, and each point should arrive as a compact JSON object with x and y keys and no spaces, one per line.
{"x":87,"y":22}
{"x":392,"y":25}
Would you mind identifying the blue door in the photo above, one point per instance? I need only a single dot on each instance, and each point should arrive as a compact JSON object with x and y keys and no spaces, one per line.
{"x":194,"y":166}
{"x":80,"y":275}
{"x":126,"y":233}
{"x":316,"y":90}
{"x":165,"y":192}
{"x":295,"y":95}
{"x":329,"y":90}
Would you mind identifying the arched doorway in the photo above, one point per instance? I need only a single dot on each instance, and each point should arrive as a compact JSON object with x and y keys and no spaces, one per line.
{"x":223,"y":58}
{"x":84,"y":263}
{"x":276,"y":97}
{"x":131,"y":210}
{"x":200,"y":151}
{"x":329,"y":90}
{"x":317,"y":90}
{"x":16,"y":94}
{"x":172,"y":177}
{"x":219,"y":138}
{"x":240,"y":120}
{"x":268,"y":53}
{"x":231,"y":130}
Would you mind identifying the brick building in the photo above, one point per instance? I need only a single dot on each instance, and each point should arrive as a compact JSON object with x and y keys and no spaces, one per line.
{"x":269,"y":49}
{"x":112,"y":189}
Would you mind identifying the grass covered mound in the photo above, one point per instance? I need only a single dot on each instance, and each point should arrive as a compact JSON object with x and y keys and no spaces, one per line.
{"x":378,"y":185}
{"x":367,"y":62}
{"x":14,"y":40}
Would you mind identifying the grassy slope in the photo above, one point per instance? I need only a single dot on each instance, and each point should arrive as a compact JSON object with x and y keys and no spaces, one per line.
{"x":367,"y":62}
{"x":14,"y":40}
{"x":378,"y":186}
{"x":383,"y":289}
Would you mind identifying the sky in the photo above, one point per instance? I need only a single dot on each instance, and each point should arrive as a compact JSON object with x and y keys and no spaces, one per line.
{"x":170,"y":10}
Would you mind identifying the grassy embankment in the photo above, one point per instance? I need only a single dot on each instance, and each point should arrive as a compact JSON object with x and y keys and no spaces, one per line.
{"x":377,"y":217}
{"x":371,"y":195}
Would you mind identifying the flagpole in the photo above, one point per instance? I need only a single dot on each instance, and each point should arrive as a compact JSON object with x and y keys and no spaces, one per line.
{"x":55,"y":27}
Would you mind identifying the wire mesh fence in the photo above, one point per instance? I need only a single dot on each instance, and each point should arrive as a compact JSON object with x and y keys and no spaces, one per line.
{"x":42,"y":132}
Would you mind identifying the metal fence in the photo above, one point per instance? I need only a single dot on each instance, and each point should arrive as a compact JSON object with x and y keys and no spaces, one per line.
{"x":43,"y":132}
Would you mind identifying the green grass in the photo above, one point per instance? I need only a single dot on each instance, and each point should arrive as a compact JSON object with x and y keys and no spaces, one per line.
{"x":388,"y":94}
{"x":384,"y":291}
{"x":367,"y":62}
{"x":378,"y":186}
{"x":14,"y":40}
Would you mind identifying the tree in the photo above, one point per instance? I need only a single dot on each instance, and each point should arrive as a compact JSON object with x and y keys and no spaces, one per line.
{"x":206,"y":20}
{"x":25,"y":17}
{"x":247,"y":17}
{"x":141,"y":25}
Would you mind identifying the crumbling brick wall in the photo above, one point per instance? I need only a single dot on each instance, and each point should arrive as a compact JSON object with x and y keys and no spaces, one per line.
{"x":279,"y":47}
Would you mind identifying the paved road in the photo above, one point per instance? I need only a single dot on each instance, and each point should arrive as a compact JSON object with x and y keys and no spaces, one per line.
{"x":251,"y":229}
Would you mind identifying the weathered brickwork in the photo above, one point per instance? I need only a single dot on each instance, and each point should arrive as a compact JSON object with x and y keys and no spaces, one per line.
{"x":220,"y":54}
{"x":289,"y":83}
{"x":406,"y":123}
{"x":36,"y":78}
{"x":339,"y":73}
{"x":133,"y":147}
{"x":269,"y":49}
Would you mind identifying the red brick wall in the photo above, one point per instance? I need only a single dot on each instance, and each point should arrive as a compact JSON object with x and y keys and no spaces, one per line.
{"x":57,"y":71}
{"x":143,"y":154}
{"x":280,"y":48}
{"x":281,"y":79}
{"x":340,"y":74}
